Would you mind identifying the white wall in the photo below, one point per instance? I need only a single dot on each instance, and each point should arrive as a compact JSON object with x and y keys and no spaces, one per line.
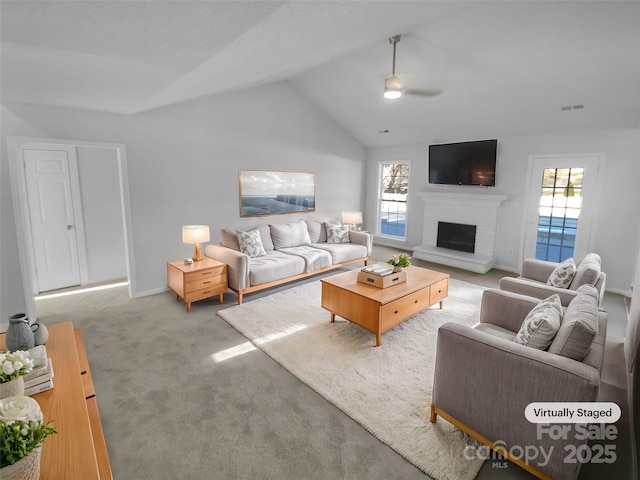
{"x":102,"y":213}
{"x":11,"y":292}
{"x":183,"y":164}
{"x":617,"y":218}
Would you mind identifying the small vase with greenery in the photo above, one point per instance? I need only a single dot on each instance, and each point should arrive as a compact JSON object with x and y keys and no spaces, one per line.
{"x":399,"y":261}
{"x":22,"y":429}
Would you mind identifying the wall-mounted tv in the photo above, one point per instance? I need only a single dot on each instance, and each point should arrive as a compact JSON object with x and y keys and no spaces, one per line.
{"x":463,"y":163}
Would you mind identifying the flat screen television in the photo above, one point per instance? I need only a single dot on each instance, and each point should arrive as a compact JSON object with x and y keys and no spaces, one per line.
{"x":463,"y":163}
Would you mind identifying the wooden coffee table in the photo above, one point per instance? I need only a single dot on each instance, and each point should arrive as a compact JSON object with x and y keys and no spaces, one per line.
{"x":380,"y":309}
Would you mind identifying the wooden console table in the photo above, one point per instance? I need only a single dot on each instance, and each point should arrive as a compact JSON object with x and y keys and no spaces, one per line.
{"x":78,"y":451}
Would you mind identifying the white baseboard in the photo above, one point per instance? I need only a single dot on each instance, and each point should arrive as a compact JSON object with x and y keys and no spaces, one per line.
{"x":148,"y":293}
{"x":506,"y":269}
{"x":624,"y":293}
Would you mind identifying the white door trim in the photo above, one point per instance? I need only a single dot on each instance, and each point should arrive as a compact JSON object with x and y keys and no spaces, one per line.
{"x":595,"y":162}
{"x":21,"y":210}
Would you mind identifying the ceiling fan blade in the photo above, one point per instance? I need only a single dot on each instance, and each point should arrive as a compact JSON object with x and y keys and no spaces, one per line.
{"x":425,"y":92}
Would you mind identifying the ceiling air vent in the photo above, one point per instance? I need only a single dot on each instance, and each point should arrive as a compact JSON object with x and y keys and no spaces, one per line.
{"x":572,"y":107}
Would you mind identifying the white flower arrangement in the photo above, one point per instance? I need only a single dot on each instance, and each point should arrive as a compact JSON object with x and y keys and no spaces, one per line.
{"x":19,"y":409}
{"x":14,"y":364}
{"x":22,"y":428}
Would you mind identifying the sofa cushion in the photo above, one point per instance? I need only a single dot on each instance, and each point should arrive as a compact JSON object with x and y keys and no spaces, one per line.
{"x":496,"y":331}
{"x":285,"y":235}
{"x":251,"y":243}
{"x":579,"y":325}
{"x":587,"y":272}
{"x":317,"y":232}
{"x":315,"y":258}
{"x":343,"y":252}
{"x":337,"y":233}
{"x":541,"y":324}
{"x":563,"y":274}
{"x":229,"y":239}
{"x":274,"y":266}
{"x":265,"y":236}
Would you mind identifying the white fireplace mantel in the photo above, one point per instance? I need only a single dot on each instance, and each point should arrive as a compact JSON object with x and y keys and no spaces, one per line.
{"x":470,"y":209}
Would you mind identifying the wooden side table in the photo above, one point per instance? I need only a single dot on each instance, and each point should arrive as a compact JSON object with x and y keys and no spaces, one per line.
{"x":197,"y":281}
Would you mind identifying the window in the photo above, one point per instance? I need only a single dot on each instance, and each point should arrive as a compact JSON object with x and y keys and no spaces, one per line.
{"x":560,"y":203}
{"x":392,"y":200}
{"x":560,"y":213}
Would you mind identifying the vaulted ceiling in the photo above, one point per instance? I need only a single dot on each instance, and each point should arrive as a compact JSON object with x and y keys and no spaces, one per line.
{"x":505,"y":68}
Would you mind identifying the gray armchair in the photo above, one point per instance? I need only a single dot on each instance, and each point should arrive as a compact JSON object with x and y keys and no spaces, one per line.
{"x":535,"y":273}
{"x":483,"y":379}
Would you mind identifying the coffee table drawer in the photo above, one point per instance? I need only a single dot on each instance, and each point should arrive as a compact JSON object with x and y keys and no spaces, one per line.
{"x":405,"y":307}
{"x":439,"y":291}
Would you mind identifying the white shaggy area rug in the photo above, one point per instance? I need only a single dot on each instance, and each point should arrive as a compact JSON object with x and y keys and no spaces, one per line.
{"x":386,"y":389}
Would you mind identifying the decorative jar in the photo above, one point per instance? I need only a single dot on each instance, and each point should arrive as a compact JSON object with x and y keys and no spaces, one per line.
{"x":19,"y":334}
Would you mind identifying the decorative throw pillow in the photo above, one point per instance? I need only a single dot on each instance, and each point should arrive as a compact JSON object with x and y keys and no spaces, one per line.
{"x":250,"y":243}
{"x":541,"y":324}
{"x":563,"y":274}
{"x":337,"y":233}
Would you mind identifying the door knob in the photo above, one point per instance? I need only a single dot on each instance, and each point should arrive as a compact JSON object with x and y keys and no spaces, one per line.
{"x":69,"y":227}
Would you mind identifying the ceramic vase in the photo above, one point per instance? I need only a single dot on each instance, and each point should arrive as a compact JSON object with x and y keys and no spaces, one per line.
{"x":13,"y":388}
{"x":40,"y":333}
{"x":27,"y":468}
{"x":19,"y":334}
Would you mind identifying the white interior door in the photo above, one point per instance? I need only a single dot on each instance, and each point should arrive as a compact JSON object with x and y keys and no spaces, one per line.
{"x":559,"y":213}
{"x":54,"y":220}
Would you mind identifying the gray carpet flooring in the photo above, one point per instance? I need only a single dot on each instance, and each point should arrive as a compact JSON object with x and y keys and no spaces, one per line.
{"x":170,"y":412}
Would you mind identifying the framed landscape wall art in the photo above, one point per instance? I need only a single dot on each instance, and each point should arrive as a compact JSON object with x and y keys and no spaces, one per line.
{"x":264,"y":192}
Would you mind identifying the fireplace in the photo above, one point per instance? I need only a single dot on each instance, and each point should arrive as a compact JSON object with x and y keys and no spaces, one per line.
{"x":466,"y":209}
{"x":456,"y":236}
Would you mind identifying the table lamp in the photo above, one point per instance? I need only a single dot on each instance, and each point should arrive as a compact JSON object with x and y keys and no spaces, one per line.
{"x":195,"y":234}
{"x":352,"y":219}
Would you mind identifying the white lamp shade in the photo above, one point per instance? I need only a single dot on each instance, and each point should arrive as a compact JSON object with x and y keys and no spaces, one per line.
{"x":352,"y":218}
{"x":392,"y":87}
{"x":195,"y":234}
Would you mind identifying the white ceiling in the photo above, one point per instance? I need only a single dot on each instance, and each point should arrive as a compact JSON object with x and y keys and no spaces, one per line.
{"x":506,"y":68}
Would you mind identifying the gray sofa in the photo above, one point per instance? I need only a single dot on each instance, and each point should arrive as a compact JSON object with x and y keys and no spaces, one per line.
{"x":535,"y":273}
{"x":286,"y":252}
{"x":484,"y":378}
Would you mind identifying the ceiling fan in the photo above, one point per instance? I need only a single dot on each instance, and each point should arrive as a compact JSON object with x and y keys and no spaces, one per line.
{"x":393,"y":87}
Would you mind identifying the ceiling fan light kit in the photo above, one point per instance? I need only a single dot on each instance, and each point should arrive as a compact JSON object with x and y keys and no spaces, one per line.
{"x":392,"y":87}
{"x":392,"y":84}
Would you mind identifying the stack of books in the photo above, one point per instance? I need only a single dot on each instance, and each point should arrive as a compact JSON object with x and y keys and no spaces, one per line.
{"x":378,"y":269}
{"x":40,"y":379}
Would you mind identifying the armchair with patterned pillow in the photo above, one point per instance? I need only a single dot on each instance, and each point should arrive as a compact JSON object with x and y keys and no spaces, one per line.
{"x":524,"y":350}
{"x":539,"y":278}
